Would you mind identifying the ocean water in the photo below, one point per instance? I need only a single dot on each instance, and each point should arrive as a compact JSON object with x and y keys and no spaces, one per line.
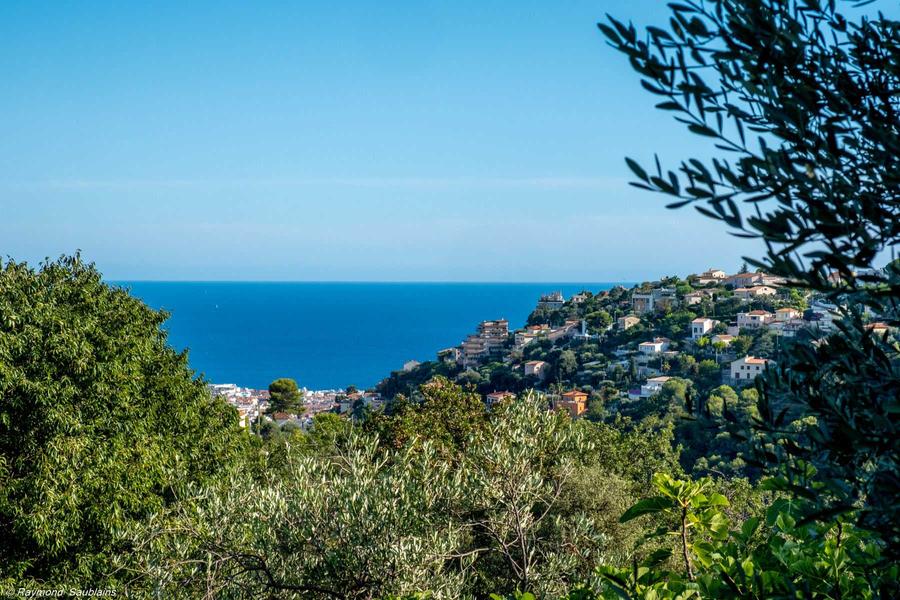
{"x":329,"y":335}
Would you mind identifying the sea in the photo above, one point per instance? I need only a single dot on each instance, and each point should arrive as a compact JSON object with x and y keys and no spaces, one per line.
{"x":329,"y":335}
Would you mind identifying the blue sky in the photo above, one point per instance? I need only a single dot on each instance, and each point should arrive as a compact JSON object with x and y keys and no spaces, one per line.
{"x":471,"y":141}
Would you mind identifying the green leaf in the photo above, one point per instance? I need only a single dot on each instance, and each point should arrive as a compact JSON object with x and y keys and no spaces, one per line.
{"x":646,"y":506}
{"x":637,"y":169}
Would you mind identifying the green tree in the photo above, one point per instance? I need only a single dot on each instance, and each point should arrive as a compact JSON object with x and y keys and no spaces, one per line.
{"x":722,"y":399}
{"x":285,"y":396}
{"x":102,"y":423}
{"x":778,"y":556}
{"x":377,"y":528}
{"x":797,"y":93}
{"x":599,"y":320}
{"x":446,"y":417}
{"x":566,"y":366}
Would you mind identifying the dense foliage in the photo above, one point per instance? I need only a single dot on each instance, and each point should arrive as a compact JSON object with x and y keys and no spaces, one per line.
{"x":101,"y":422}
{"x":802,"y":99}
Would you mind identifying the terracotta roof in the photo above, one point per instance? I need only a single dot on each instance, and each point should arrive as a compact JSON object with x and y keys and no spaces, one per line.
{"x":752,"y":360}
{"x":759,"y":312}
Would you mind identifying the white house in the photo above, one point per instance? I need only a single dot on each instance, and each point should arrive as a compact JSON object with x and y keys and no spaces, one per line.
{"x":552,"y":300}
{"x":823,"y":315}
{"x":692,"y":298}
{"x":787,"y":314}
{"x":537,"y":369}
{"x":655,"y":346}
{"x":792,"y":327}
{"x":701,"y":326}
{"x":653,"y":386}
{"x":722,"y":338}
{"x":748,"y":367}
{"x":711,"y":276}
{"x":754,"y":319}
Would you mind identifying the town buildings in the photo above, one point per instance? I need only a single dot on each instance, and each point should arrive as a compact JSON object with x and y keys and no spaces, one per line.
{"x":486,"y":344}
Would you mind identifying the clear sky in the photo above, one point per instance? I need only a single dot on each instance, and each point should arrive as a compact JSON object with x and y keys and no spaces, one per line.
{"x":467,"y":140}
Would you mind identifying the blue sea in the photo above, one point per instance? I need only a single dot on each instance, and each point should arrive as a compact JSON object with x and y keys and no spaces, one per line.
{"x":329,"y":335}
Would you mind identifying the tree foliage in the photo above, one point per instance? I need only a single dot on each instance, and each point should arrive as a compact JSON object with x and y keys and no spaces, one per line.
{"x":101,"y":422}
{"x":800,"y":100}
{"x":285,"y":396}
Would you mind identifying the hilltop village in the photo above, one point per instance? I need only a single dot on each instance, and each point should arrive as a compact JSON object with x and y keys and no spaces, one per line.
{"x":594,"y":353}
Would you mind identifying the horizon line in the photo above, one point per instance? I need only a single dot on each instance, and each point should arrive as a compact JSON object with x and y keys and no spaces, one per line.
{"x":388,"y":281}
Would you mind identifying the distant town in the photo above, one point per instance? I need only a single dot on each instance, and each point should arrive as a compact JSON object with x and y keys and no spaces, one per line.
{"x":605,"y":348}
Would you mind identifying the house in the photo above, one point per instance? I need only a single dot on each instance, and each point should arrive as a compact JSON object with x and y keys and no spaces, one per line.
{"x":449,"y":355}
{"x":641,"y":303}
{"x":654,"y":346}
{"x":701,"y":326}
{"x":772,"y":280}
{"x":791,"y":328}
{"x":655,"y":299}
{"x":627,"y":322}
{"x":748,"y":367}
{"x":523,"y":337}
{"x":569,"y":329}
{"x":574,"y":401}
{"x":410,"y":365}
{"x":754,"y":319}
{"x":281,"y":418}
{"x":749,"y":293}
{"x":653,"y":386}
{"x":692,"y":298}
{"x":878,"y":329}
{"x":664,"y":298}
{"x":722,"y":338}
{"x":650,"y":388}
{"x":711,"y":276}
{"x":822,"y":315}
{"x":495,"y":397}
{"x":745,"y":280}
{"x":787,"y":314}
{"x":553,"y":300}
{"x":537,"y":369}
{"x":579,"y":298}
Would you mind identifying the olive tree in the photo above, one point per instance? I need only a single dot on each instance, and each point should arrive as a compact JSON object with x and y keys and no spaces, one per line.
{"x":799,"y":100}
